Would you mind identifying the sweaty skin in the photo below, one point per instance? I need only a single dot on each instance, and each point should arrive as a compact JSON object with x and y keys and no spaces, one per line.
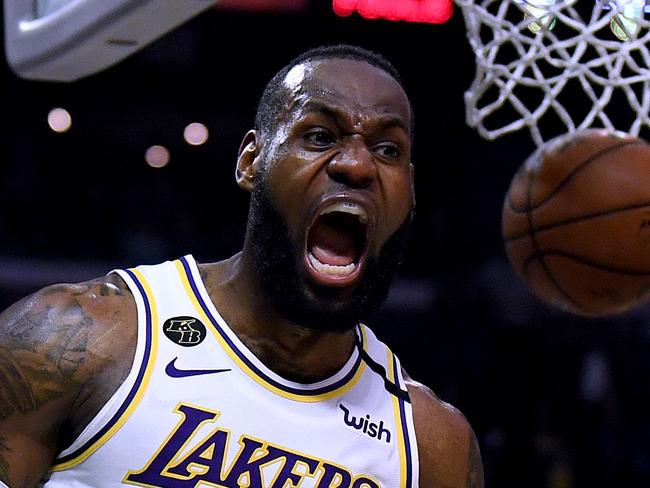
{"x":344,"y":132}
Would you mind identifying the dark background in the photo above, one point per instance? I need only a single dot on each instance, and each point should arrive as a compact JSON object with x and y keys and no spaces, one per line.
{"x":556,"y":400}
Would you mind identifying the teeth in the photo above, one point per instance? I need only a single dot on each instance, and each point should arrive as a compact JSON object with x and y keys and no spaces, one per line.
{"x":331,"y":269}
{"x":349,"y":208}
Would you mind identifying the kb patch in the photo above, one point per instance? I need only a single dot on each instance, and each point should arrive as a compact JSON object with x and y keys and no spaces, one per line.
{"x":184,"y":331}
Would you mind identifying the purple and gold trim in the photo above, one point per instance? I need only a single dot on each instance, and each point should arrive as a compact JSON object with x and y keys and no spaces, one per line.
{"x":189,"y":277}
{"x":405,"y":430}
{"x":402,"y":414}
{"x":139,"y":385}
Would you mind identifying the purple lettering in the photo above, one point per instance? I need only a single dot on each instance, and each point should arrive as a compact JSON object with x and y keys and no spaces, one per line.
{"x":329,"y":473}
{"x":243,"y":464}
{"x":153,"y":474}
{"x":212,"y":467}
{"x":286,"y":473}
{"x":365,"y":483}
{"x":206,"y":461}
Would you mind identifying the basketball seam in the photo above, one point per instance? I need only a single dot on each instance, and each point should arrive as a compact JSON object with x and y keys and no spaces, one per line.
{"x":538,"y":253}
{"x":581,"y":260}
{"x":540,"y":256}
{"x":581,"y":218}
{"x":566,"y":179}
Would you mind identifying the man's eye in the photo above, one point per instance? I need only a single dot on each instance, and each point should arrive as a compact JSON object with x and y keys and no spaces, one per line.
{"x":319,"y":138}
{"x":388,"y":150}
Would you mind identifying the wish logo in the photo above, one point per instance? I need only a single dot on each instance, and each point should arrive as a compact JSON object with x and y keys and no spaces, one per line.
{"x":184,"y":331}
{"x":365,"y":425}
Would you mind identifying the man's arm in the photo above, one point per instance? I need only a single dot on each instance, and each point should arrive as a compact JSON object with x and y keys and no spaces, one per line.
{"x":52,"y":344}
{"x":448,"y":450}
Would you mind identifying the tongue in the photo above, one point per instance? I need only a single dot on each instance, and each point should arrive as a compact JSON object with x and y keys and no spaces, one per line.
{"x":332,"y":246}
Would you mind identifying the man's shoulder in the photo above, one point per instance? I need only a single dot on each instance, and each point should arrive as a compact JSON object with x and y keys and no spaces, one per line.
{"x":69,"y":306}
{"x":63,"y":351}
{"x":448,"y":449}
{"x":54,"y":341}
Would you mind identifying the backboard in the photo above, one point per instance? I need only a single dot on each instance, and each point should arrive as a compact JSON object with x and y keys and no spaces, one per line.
{"x":64,"y":40}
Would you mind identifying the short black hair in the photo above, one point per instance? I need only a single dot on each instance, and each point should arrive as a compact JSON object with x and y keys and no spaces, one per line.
{"x":272,"y":99}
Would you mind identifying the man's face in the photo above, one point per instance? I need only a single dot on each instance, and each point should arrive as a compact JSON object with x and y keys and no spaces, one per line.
{"x":337,"y":187}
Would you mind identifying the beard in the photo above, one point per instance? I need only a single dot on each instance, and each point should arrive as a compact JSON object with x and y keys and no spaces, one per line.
{"x":275,"y":257}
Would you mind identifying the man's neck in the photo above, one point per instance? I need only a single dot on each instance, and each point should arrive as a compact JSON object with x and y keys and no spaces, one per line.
{"x":295,"y":352}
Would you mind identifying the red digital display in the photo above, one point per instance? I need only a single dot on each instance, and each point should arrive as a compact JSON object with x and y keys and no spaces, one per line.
{"x":429,"y":11}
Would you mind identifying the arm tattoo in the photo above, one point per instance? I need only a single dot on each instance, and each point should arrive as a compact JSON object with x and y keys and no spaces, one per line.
{"x":43,"y":349}
{"x":474,"y":465}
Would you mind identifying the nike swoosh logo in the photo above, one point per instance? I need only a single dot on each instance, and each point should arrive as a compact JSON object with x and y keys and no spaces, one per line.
{"x":174,"y":372}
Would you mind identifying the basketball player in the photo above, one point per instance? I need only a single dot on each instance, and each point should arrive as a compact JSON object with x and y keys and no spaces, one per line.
{"x":255,"y":371}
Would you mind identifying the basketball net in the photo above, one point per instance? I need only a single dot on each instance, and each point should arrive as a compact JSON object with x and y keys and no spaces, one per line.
{"x":557,"y":66}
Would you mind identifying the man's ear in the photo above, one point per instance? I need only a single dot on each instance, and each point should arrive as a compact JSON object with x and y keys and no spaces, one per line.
{"x":248,"y":161}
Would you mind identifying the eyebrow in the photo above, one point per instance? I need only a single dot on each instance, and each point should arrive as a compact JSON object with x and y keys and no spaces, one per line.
{"x":328,"y":110}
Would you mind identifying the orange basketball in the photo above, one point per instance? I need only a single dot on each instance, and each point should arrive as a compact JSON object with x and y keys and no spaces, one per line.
{"x":576,"y":223}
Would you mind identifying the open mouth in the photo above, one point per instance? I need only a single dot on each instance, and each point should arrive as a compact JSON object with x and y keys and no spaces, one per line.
{"x":337,"y":243}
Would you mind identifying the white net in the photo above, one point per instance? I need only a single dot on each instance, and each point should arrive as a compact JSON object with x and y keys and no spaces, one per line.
{"x":558,"y":66}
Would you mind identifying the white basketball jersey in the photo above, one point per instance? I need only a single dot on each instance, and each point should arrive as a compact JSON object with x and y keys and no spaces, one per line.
{"x":198,"y":409}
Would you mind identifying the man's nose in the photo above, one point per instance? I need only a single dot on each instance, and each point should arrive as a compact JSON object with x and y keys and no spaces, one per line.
{"x":354,"y":165}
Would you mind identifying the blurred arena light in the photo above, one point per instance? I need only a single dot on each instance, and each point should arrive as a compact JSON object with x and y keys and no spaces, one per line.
{"x":427,"y":11}
{"x":64,"y":40}
{"x":196,"y":134}
{"x":157,"y":156}
{"x":59,"y":119}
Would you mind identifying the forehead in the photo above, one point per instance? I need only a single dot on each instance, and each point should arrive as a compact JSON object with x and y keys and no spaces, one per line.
{"x":349,"y":84}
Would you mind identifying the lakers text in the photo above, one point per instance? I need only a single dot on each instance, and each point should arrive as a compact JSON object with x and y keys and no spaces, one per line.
{"x":187,"y":459}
